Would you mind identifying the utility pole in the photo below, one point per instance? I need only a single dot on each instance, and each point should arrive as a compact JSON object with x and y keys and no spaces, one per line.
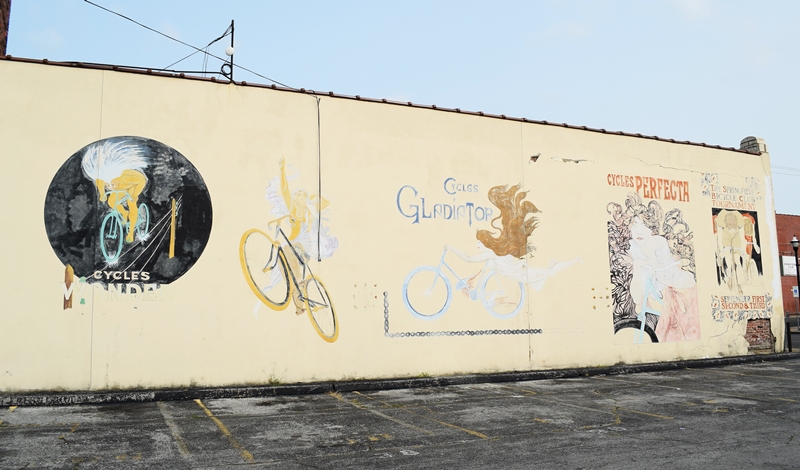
{"x":5,"y":16}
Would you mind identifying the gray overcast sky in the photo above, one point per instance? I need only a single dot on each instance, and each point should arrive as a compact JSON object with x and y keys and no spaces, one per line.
{"x":711,"y":71}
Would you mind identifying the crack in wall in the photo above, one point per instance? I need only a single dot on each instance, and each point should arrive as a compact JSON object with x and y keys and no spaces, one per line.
{"x":570,"y":160}
{"x":666,"y":167}
{"x":727,"y":329}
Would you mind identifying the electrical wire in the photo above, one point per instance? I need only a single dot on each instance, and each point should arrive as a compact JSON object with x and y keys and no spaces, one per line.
{"x":197,"y":49}
{"x":783,"y":169}
{"x":205,"y":62}
{"x":179,"y":61}
{"x":227,"y":32}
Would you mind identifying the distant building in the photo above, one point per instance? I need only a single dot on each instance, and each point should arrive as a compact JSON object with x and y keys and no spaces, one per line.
{"x":788,"y":227}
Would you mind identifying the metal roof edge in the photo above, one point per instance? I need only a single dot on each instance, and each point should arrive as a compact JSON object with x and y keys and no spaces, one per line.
{"x":146,"y":71}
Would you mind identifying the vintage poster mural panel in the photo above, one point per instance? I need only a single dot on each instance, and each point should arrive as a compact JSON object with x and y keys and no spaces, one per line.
{"x":738,"y":256}
{"x":503,"y":253}
{"x":128,"y":213}
{"x":275,"y":262}
{"x":652,"y":263}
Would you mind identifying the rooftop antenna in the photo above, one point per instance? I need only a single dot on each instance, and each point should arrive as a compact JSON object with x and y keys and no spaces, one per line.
{"x":228,"y":65}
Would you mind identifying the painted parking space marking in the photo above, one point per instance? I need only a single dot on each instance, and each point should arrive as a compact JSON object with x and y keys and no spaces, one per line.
{"x":612,"y":409}
{"x":742,"y":374}
{"x":242,"y":451}
{"x":10,"y":410}
{"x":694,"y":390}
{"x":173,"y":428}
{"x":339,"y":397}
{"x":450,"y":425}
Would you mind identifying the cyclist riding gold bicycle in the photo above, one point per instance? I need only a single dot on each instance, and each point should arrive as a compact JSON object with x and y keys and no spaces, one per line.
{"x":299,"y":217}
{"x":276,"y":264}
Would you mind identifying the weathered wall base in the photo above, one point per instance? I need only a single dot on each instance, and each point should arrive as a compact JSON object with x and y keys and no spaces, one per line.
{"x":67,"y":399}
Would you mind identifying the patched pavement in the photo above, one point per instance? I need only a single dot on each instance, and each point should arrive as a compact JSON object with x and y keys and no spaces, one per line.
{"x":738,"y":416}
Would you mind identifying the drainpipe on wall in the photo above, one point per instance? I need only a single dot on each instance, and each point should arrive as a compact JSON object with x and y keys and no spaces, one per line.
{"x":5,"y":16}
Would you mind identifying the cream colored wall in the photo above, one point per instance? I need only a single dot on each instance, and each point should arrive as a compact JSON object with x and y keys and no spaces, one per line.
{"x":205,"y":329}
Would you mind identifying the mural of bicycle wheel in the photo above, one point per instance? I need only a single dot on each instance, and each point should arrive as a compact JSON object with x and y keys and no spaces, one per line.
{"x":276,"y":266}
{"x":128,"y":208}
{"x":500,"y":285}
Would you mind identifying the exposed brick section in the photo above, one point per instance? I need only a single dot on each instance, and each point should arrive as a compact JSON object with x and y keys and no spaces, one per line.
{"x":5,"y":16}
{"x":788,"y":226}
{"x":759,"y":335}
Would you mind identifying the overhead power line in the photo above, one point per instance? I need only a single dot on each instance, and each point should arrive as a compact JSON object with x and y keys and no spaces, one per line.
{"x":197,"y":49}
{"x":228,"y":31}
{"x":785,"y":168}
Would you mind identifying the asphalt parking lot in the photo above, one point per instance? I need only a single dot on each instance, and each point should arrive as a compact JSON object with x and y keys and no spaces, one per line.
{"x":740,"y":416}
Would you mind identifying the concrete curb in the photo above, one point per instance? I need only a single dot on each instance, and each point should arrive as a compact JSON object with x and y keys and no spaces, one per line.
{"x":79,"y":398}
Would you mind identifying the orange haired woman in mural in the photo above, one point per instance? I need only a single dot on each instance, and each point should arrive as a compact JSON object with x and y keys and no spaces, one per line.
{"x":504,"y":253}
{"x":516,"y":227}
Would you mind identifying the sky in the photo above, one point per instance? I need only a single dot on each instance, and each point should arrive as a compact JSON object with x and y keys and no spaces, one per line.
{"x":713,"y":71}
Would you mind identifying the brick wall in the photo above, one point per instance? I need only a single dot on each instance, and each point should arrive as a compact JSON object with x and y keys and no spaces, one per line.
{"x":788,"y":226}
{"x":5,"y":16}
{"x":759,"y":335}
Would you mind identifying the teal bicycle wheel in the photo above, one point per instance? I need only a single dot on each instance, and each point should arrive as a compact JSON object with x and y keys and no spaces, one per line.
{"x":143,"y":222}
{"x":111,"y":237}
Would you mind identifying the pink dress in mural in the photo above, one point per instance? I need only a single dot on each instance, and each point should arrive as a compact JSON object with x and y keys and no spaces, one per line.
{"x":661,"y":285}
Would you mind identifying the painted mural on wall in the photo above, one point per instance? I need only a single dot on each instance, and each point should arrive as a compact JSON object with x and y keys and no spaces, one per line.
{"x":275,"y":262}
{"x":652,"y":265}
{"x":500,"y":284}
{"x":738,"y":253}
{"x":127,"y":213}
{"x":741,"y":307}
{"x":742,"y":195}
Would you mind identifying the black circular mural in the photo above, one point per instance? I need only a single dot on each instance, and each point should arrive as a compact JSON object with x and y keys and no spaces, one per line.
{"x":128,"y":208}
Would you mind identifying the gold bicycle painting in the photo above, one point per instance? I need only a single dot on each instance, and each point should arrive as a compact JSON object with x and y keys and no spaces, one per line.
{"x":277,"y":267}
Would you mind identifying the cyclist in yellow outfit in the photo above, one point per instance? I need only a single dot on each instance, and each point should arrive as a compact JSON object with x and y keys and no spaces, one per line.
{"x":132,"y":182}
{"x":297,"y":204}
{"x":116,"y":166}
{"x":299,"y":217}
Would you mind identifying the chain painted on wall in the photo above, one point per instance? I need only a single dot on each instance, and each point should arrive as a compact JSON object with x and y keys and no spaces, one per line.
{"x":413,"y":334}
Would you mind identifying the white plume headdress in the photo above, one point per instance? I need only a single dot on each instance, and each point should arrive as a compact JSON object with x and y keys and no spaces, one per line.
{"x":108,"y":159}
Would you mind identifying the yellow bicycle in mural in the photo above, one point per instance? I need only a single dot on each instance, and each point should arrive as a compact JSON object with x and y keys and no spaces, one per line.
{"x":272,"y":278}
